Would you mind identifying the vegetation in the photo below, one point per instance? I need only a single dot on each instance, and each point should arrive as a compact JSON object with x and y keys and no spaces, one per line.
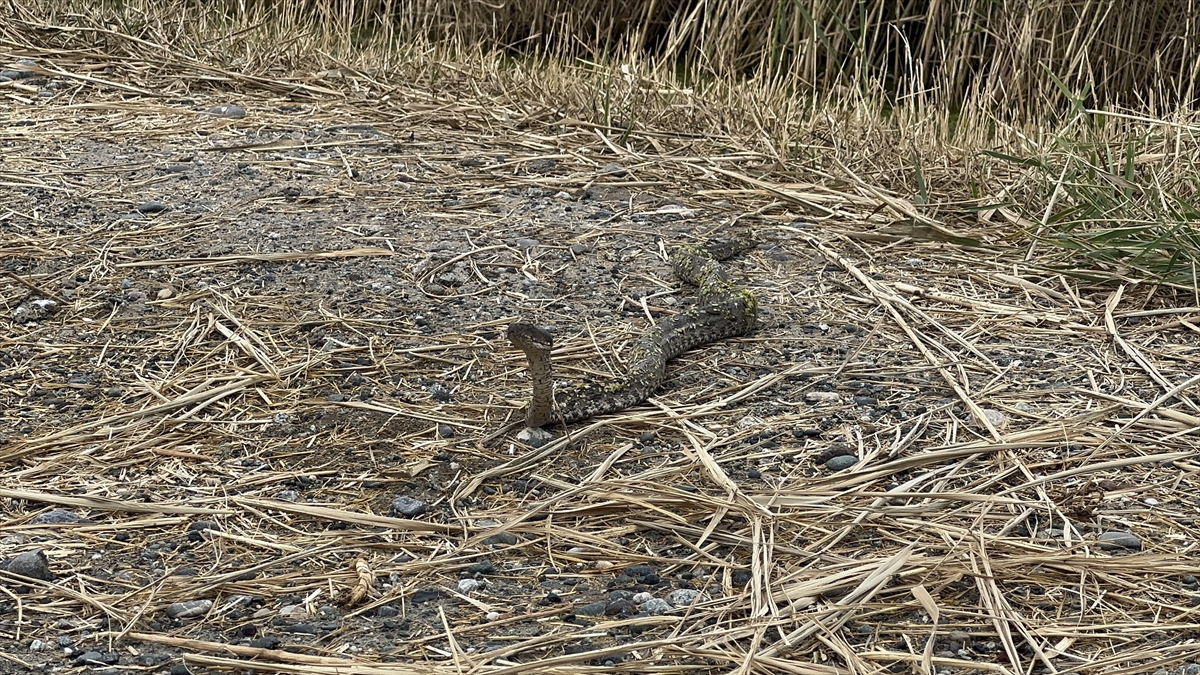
{"x":1068,"y":122}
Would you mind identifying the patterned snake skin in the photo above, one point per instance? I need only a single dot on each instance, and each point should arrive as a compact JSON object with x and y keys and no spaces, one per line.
{"x":724,"y":310}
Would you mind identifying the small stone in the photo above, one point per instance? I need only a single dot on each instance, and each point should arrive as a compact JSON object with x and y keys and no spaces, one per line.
{"x":580,"y":249}
{"x":865,"y":629}
{"x":614,"y":170}
{"x":682,"y":597}
{"x":654,"y":607}
{"x":753,"y":474}
{"x":527,"y":244}
{"x":426,"y":595}
{"x":642,"y":597}
{"x":535,"y":437}
{"x":646,"y":437}
{"x":492,"y":616}
{"x":1117,"y":540}
{"x":180,"y":669}
{"x":408,"y":506}
{"x":57,"y":517}
{"x":230,"y":111}
{"x":189,"y":609}
{"x":151,"y":207}
{"x":266,"y":642}
{"x":592,"y":609}
{"x":501,"y":539}
{"x":482,"y":567}
{"x":841,"y":462}
{"x":435,"y":289}
{"x":336,"y":398}
{"x":616,"y":607}
{"x":387,"y":611}
{"x":997,"y":419}
{"x":95,"y":658}
{"x":1189,"y":580}
{"x":445,"y":431}
{"x":164,"y":293}
{"x":439,"y":392}
{"x":32,"y":564}
{"x":467,"y":585}
{"x":823,"y":397}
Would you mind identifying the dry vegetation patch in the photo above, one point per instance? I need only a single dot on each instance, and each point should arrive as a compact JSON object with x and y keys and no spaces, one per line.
{"x":254,"y":382}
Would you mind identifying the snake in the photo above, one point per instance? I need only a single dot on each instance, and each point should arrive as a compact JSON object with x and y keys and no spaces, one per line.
{"x":723,"y":310}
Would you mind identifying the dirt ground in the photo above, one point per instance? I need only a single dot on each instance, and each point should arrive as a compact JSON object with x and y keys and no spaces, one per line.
{"x":271,"y":384}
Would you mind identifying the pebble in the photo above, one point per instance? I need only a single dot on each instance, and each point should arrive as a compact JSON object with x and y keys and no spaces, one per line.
{"x":646,"y":437}
{"x":230,"y":111}
{"x":642,"y":597}
{"x":445,"y":431}
{"x":482,"y":567}
{"x":34,"y":310}
{"x":57,"y":517}
{"x":151,"y":207}
{"x":439,"y":392}
{"x":492,"y":616}
{"x":682,"y":597}
{"x":189,"y":609}
{"x":564,"y":196}
{"x":580,"y":249}
{"x":996,"y":418}
{"x":823,"y":397}
{"x":93,"y":658}
{"x":614,"y":170}
{"x":408,"y":506}
{"x":426,"y":595}
{"x":266,"y":642}
{"x":467,"y":585}
{"x":841,"y":462}
{"x":654,"y":607}
{"x":32,"y":564}
{"x":592,"y":609}
{"x":501,"y":539}
{"x":1117,"y":540}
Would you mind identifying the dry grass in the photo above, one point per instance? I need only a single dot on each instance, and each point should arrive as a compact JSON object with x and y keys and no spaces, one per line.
{"x":952,"y":520}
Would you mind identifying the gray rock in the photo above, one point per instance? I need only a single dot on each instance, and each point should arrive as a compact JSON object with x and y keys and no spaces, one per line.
{"x":682,"y":597}
{"x":230,"y":111}
{"x":841,"y":462}
{"x":501,"y":539}
{"x":32,"y":564}
{"x":580,"y":249}
{"x":655,"y":606}
{"x":189,"y":609}
{"x":445,"y":431}
{"x":57,"y":517}
{"x":467,"y":585}
{"x":152,"y":207}
{"x":614,"y":170}
{"x":408,"y":507}
{"x":592,"y":609}
{"x":95,"y":658}
{"x":1117,"y":540}
{"x":439,"y":392}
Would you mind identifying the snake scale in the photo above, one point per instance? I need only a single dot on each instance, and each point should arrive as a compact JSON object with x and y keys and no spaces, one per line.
{"x":724,"y":310}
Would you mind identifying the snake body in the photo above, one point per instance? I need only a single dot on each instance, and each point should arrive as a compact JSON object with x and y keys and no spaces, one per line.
{"x":724,"y":310}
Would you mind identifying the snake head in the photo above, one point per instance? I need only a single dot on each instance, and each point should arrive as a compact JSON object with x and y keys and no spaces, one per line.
{"x":527,"y":337}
